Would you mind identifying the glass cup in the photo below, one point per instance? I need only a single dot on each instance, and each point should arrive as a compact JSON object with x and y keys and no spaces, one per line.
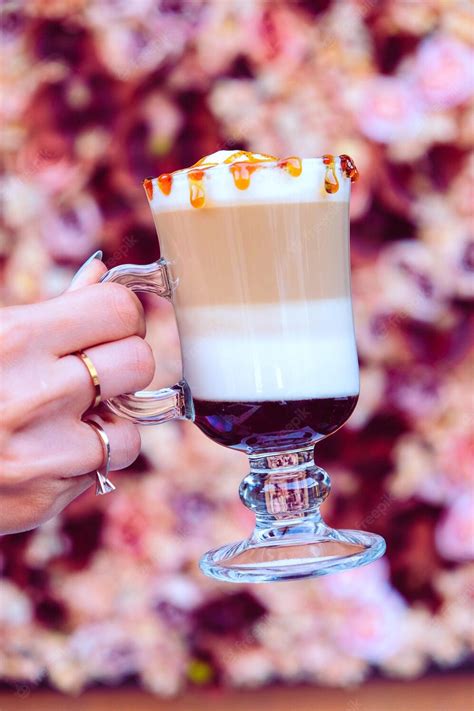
{"x":261,"y":292}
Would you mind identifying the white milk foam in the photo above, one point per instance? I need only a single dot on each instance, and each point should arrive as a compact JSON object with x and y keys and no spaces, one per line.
{"x":286,"y":351}
{"x":268,"y":184}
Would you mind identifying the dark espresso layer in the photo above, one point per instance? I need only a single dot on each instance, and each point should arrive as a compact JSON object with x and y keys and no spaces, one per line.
{"x":270,"y":426}
{"x":257,"y":254}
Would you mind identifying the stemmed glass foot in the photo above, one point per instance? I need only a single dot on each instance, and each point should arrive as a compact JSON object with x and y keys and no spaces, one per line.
{"x":290,"y":540}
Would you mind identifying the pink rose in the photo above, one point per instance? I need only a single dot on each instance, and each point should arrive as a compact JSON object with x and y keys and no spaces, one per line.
{"x":368,"y":612}
{"x":358,"y":582}
{"x":454,"y":534}
{"x":373,"y":630}
{"x":456,"y":455}
{"x":388,"y":110}
{"x":443,"y":72}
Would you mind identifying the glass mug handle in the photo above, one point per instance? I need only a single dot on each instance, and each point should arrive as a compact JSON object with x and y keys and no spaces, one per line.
{"x":149,"y":407}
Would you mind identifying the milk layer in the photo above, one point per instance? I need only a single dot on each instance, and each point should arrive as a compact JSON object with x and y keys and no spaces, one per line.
{"x":285,"y":351}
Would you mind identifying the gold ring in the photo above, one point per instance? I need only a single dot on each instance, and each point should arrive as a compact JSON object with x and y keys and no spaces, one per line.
{"x":103,"y":483}
{"x":93,"y":374}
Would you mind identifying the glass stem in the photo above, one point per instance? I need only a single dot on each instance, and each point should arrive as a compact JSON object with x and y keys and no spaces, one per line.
{"x":285,"y":488}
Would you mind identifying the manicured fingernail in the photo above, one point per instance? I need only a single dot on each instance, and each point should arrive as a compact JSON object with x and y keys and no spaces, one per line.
{"x":97,"y":255}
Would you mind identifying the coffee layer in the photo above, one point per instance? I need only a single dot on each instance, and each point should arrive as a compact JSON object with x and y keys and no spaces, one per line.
{"x":257,"y":253}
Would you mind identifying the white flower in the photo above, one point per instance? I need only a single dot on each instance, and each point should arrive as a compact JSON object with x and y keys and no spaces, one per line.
{"x":15,"y":606}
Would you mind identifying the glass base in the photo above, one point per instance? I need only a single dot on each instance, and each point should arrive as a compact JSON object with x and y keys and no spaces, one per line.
{"x":292,"y":552}
{"x":291,"y":541}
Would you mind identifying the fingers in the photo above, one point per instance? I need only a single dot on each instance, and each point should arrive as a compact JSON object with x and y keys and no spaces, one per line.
{"x":124,"y":439}
{"x":123,"y":367}
{"x":68,"y":448}
{"x":91,"y":315}
{"x":89,"y":273}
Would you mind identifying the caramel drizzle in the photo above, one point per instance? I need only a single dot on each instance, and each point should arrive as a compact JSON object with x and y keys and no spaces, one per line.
{"x":197,"y":194}
{"x":250,"y":157}
{"x":331,"y":183}
{"x":148,"y":185}
{"x":293,"y":165}
{"x":165,"y":181}
{"x":348,"y":167}
{"x":242,"y":171}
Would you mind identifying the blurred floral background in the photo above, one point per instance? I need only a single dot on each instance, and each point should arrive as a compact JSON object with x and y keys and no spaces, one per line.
{"x":95,"y":96}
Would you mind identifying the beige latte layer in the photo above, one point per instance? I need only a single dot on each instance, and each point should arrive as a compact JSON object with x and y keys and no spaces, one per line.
{"x":262,"y":299}
{"x":257,"y":253}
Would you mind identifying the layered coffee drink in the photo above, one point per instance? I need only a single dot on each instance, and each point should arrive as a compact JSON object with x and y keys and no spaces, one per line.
{"x":258,"y":254}
{"x":255,"y":258}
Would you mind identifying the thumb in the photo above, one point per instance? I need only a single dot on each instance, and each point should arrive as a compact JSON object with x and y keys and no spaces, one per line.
{"x":90,"y":272}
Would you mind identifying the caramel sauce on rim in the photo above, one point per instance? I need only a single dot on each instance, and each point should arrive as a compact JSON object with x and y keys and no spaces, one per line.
{"x":165,"y":181}
{"x":250,"y":157}
{"x":331,"y":183}
{"x":197,"y":194}
{"x":293,"y":165}
{"x":241,"y":173}
{"x":242,"y":165}
{"x":348,"y":167}
{"x":148,"y":185}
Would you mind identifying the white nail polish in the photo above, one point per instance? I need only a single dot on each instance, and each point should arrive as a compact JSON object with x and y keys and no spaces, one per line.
{"x":97,"y":255}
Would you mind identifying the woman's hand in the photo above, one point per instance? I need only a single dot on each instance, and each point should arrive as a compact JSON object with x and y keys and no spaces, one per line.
{"x":48,"y":454}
